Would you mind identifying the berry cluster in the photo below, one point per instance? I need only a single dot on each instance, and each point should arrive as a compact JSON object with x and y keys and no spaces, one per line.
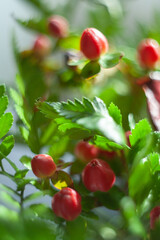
{"x":97,"y":175}
{"x":58,"y":27}
{"x":92,"y":43}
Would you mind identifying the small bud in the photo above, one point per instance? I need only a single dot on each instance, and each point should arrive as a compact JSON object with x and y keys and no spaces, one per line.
{"x":93,"y":43}
{"x":98,"y":176}
{"x":67,"y":204}
{"x":42,"y":46}
{"x":58,"y":26}
{"x":85,"y":151}
{"x":148,"y":53}
{"x":43,"y":166}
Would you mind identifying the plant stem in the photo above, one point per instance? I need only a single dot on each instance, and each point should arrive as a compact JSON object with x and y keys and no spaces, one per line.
{"x":21,"y":200}
{"x":10,"y":162}
{"x":1,"y":165}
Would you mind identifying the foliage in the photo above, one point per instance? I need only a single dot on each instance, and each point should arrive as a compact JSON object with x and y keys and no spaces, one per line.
{"x":108,"y":97}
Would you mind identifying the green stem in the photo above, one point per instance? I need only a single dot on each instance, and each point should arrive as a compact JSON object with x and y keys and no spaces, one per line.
{"x":10,"y":162}
{"x":1,"y":165}
{"x":7,"y":174}
{"x":21,"y":200}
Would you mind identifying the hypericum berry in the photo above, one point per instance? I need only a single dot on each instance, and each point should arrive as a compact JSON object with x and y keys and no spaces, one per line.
{"x":154,"y":216}
{"x":42,"y":46}
{"x":58,"y":26}
{"x":43,"y":166}
{"x":127,"y":134}
{"x":67,"y":204}
{"x":106,"y":154}
{"x":85,"y":151}
{"x":148,"y":53}
{"x":98,"y":176}
{"x":93,"y":43}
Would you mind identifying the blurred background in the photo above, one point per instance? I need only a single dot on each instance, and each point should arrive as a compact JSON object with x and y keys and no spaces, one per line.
{"x":135,"y":11}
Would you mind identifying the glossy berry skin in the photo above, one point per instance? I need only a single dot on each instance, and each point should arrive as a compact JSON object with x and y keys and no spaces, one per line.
{"x":58,"y":26}
{"x":154,"y":216}
{"x":67,"y":204}
{"x":148,"y":53}
{"x":106,"y":154}
{"x":98,"y":176}
{"x":93,"y":43}
{"x":85,"y":151}
{"x":41,"y":46}
{"x":43,"y":166}
{"x":127,"y":134}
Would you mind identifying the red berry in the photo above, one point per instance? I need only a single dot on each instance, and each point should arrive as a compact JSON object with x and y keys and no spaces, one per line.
{"x":106,"y":154}
{"x":58,"y":26}
{"x":43,"y":166}
{"x":127,"y":134}
{"x":154,"y":216}
{"x":41,"y":46}
{"x":67,"y":204}
{"x":85,"y":151}
{"x":148,"y":53}
{"x":98,"y":176}
{"x":93,"y":43}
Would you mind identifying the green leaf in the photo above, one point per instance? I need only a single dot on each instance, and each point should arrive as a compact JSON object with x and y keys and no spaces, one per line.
{"x":110,"y":60}
{"x":15,"y":47}
{"x":47,"y":109}
{"x":48,"y":133}
{"x":105,"y":144}
{"x":59,"y":146}
{"x":41,"y":6}
{"x":114,"y":8}
{"x":8,"y":199}
{"x":42,"y":211}
{"x":76,"y":228}
{"x":33,"y":139}
{"x":24,"y":133}
{"x":16,"y":97}
{"x":26,"y":161}
{"x":140,"y":182}
{"x":5,"y":124}
{"x":21,"y":183}
{"x":5,"y":188}
{"x":6,"y":146}
{"x":131,"y":121}
{"x":129,"y":212}
{"x":153,"y":160}
{"x":2,"y":90}
{"x":37,"y":25}
{"x":90,"y":115}
{"x":77,"y":62}
{"x":33,"y":196}
{"x":3,"y":104}
{"x":61,"y":180}
{"x":20,"y":84}
{"x":71,"y":42}
{"x":73,"y":130}
{"x":111,"y":199}
{"x":77,"y":167}
{"x":90,"y":215}
{"x":90,"y":69}
{"x":141,"y":130}
{"x":21,"y":114}
{"x":115,"y":113}
{"x":21,"y":173}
